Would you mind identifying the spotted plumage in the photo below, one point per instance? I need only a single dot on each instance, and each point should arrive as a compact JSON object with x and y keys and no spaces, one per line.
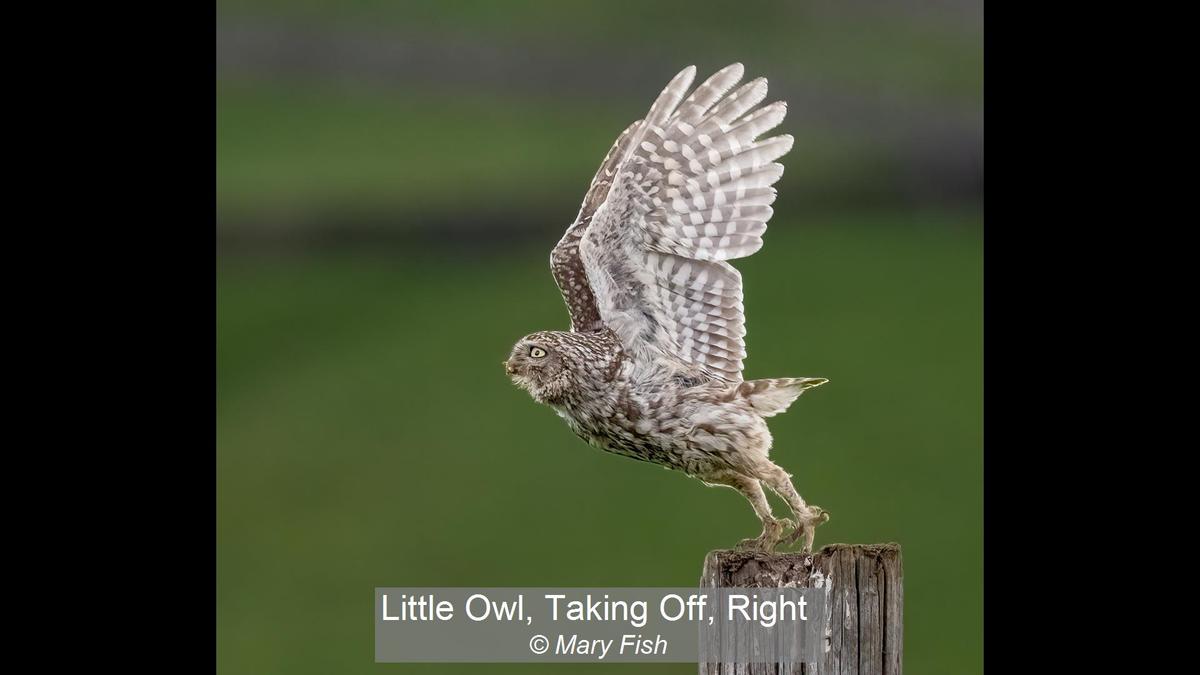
{"x":652,"y":366}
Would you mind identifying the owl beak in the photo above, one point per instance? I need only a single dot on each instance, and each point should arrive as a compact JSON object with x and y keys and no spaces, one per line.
{"x":509,"y":368}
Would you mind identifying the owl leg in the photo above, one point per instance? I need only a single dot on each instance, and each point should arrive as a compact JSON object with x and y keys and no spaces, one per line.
{"x":751,"y":489}
{"x":808,"y":516}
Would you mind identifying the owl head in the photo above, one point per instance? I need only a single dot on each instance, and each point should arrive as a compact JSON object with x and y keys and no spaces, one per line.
{"x":540,"y":365}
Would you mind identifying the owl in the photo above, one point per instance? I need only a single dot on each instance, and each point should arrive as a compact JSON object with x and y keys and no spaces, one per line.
{"x":651,"y":367}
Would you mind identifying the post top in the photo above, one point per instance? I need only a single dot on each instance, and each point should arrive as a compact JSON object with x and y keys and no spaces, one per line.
{"x":735,"y":567}
{"x":867,"y":550}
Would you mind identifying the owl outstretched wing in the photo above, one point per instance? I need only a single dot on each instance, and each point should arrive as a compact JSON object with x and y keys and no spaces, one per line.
{"x":565,"y":264}
{"x":691,"y":190}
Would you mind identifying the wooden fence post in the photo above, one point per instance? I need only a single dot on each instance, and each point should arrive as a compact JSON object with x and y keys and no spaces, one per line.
{"x":865,"y":610}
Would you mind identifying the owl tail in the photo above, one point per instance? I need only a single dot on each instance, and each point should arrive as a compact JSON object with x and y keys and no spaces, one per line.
{"x":773,"y":396}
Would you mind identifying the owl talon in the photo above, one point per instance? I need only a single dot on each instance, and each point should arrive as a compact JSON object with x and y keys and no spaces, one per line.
{"x":755,"y":544}
{"x":808,"y":527}
{"x":771,"y":535}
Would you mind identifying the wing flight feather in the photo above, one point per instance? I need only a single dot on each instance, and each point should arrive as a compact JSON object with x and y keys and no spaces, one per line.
{"x":684,"y":191}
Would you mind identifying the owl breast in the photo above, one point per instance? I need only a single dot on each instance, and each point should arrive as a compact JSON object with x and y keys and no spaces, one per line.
{"x":691,"y":429}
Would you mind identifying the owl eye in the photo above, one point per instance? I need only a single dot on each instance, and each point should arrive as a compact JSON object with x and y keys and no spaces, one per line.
{"x":537,"y":352}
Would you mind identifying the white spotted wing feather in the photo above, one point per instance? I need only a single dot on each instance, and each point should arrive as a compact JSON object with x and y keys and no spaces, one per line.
{"x":692,"y":190}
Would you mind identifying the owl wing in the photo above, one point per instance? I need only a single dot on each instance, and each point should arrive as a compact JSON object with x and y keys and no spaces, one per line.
{"x":692,"y":189}
{"x":565,"y":264}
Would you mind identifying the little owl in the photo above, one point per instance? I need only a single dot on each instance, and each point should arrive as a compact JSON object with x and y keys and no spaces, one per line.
{"x":651,"y":368}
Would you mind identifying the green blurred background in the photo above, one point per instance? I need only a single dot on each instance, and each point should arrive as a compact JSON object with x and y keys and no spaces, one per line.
{"x":390,"y":179}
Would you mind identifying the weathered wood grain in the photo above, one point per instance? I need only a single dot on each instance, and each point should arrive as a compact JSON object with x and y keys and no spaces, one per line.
{"x":864,"y":607}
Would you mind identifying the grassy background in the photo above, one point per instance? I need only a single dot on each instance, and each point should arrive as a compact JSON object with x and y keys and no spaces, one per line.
{"x":383,"y":228}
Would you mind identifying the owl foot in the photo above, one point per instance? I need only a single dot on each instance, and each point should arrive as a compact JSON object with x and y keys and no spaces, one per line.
{"x":808,"y":526}
{"x":771,"y":535}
